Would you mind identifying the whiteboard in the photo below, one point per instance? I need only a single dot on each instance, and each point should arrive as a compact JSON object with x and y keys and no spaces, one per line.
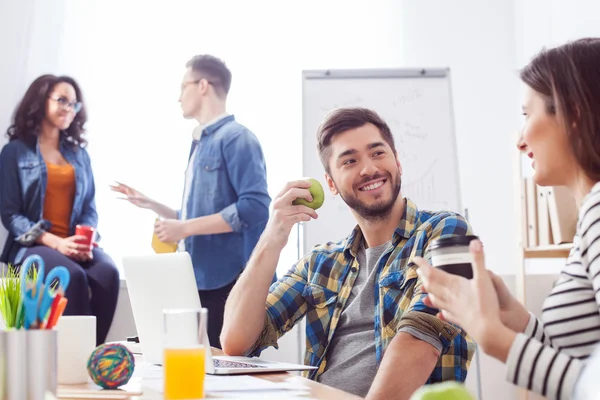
{"x":417,"y":106}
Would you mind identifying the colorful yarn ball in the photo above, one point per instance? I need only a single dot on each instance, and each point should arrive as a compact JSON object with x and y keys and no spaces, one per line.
{"x":111,"y":365}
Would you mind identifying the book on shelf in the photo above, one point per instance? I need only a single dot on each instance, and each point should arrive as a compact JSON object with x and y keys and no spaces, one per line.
{"x":550,"y":215}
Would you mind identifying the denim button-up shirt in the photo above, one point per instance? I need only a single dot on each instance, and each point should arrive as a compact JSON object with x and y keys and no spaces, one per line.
{"x":229,"y":179}
{"x":23,"y":180}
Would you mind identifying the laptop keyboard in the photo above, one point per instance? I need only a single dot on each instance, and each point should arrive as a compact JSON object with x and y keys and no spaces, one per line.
{"x":233,"y":364}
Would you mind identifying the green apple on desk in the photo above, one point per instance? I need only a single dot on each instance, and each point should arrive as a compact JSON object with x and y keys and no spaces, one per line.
{"x":316,"y":191}
{"x":442,"y":391}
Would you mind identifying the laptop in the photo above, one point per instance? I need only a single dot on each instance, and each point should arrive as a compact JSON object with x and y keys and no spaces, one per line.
{"x":161,"y":281}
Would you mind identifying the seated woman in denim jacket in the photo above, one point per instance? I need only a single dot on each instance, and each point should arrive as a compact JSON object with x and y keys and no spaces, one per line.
{"x":47,"y":189}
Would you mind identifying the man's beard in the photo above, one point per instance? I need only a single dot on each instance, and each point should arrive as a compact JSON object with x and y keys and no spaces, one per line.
{"x":378,"y":211}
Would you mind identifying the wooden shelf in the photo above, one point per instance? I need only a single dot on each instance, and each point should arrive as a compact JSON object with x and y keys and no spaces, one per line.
{"x":552,"y":251}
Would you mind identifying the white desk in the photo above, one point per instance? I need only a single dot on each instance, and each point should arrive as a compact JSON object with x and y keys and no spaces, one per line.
{"x":89,"y":391}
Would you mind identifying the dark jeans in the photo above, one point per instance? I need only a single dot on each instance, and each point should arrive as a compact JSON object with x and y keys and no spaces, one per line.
{"x":214,"y":301}
{"x":93,"y":288}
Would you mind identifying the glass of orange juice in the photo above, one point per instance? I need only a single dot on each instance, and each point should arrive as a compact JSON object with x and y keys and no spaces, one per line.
{"x":184,"y":353}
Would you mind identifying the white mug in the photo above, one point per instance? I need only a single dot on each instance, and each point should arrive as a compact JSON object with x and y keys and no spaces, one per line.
{"x":76,"y":342}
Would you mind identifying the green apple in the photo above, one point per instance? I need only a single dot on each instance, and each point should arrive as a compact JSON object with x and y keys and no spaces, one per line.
{"x":316,"y":191}
{"x":442,"y":391}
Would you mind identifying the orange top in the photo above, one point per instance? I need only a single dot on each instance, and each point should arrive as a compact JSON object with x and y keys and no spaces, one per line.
{"x":60,"y":193}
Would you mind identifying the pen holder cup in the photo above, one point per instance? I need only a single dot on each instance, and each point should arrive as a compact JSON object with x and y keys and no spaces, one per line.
{"x":28,"y":363}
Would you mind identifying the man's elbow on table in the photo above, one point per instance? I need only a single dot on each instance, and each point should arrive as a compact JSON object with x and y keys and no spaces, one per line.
{"x":234,"y":342}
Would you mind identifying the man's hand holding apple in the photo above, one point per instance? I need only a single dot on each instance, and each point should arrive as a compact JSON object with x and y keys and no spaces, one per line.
{"x":297,"y":202}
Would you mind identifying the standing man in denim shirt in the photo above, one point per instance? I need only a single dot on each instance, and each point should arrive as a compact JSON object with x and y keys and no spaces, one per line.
{"x":225,"y":204}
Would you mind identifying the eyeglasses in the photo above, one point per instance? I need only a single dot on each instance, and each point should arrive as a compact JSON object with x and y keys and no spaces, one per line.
{"x":194,"y":82}
{"x":186,"y":84}
{"x":66,"y":105}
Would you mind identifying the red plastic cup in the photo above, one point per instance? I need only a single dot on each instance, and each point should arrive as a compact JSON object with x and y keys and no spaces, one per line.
{"x":88,"y":232}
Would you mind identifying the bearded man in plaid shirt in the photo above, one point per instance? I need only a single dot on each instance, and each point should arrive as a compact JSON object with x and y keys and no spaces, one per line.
{"x":367,"y":329}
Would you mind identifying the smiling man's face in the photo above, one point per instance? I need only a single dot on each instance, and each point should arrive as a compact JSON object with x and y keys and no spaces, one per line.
{"x":365,"y":171}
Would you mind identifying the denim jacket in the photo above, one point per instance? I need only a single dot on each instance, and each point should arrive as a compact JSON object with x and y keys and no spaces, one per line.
{"x":229,"y":179}
{"x":23,"y":179}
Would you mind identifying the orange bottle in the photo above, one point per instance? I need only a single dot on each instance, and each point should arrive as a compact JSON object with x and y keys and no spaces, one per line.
{"x":162,"y":247}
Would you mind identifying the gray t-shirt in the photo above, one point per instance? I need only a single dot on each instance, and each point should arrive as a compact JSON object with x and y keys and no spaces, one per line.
{"x":352,"y":362}
{"x":352,"y":359}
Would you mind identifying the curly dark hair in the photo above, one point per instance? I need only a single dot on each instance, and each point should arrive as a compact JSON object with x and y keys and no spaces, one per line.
{"x":31,"y":111}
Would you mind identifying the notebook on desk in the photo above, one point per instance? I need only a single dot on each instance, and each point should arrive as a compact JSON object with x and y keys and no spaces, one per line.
{"x":166,"y":281}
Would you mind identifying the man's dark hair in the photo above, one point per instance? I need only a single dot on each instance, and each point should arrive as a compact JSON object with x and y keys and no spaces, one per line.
{"x":344,"y":119}
{"x":213,"y":70}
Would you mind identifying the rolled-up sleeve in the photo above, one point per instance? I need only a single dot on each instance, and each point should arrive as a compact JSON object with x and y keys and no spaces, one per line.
{"x":231,"y":215}
{"x":422,"y":323}
{"x":246,"y":168}
{"x":18,"y":225}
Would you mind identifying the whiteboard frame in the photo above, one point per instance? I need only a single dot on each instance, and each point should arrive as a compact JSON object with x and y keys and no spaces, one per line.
{"x":376,"y":73}
{"x":385,"y":73}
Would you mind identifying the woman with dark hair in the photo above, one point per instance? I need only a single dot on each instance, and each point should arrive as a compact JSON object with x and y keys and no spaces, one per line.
{"x":562,"y":136}
{"x":47,"y":189}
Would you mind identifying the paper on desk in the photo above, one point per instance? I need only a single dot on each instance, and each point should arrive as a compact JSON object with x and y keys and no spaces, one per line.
{"x":232,"y":384}
{"x":148,"y":371}
{"x":265,"y":395}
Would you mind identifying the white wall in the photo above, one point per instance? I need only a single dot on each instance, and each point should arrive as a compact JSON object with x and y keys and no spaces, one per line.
{"x":541,"y":23}
{"x":31,"y":41}
{"x":13,"y":24}
{"x":476,"y":40}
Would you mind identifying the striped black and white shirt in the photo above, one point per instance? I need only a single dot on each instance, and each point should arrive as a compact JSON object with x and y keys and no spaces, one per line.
{"x":549,"y":356}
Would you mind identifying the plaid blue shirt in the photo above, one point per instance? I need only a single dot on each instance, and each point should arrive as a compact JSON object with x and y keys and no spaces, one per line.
{"x":319,"y":286}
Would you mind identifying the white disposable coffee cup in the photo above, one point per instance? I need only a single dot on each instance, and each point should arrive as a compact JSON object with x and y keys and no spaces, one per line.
{"x":452,"y":255}
{"x":76,"y":342}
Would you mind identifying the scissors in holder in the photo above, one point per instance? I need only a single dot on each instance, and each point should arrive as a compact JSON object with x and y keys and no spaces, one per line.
{"x":38,"y":298}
